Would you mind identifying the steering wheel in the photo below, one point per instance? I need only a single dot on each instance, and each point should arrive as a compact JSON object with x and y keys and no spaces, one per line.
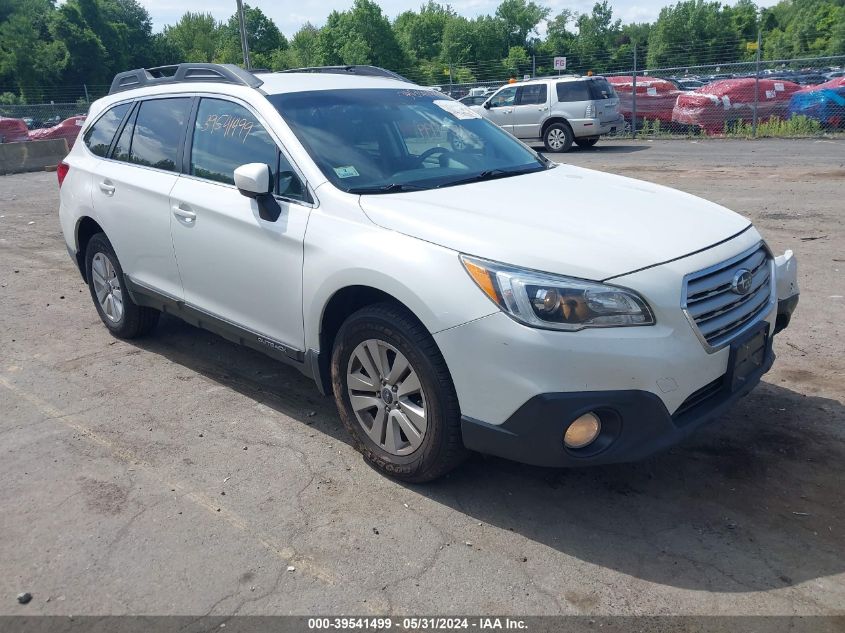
{"x":431,"y":151}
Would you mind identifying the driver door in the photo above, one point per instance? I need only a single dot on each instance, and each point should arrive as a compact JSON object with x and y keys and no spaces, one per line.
{"x":234,"y":265}
{"x":499,"y":108}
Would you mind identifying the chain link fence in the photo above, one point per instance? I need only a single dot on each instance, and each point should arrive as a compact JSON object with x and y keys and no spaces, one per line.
{"x":785,"y":97}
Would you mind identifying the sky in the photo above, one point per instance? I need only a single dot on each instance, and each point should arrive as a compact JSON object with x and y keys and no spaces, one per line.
{"x":315,"y":11}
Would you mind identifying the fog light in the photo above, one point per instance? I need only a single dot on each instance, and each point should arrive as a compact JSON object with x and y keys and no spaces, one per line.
{"x":583,"y":431}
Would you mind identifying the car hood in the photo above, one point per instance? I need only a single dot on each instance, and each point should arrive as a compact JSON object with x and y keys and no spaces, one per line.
{"x":567,"y":220}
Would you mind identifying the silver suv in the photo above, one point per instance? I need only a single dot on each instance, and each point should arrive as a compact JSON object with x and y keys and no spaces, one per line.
{"x":556,"y":110}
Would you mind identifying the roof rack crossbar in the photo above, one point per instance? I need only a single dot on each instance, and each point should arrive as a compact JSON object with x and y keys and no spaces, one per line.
{"x":180,"y":73}
{"x":355,"y":69}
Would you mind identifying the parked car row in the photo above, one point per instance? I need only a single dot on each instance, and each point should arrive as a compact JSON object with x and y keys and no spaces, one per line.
{"x":725,"y":102}
{"x":17,"y":131}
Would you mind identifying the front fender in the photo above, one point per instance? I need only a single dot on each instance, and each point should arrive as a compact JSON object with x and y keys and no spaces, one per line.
{"x":428,"y":279}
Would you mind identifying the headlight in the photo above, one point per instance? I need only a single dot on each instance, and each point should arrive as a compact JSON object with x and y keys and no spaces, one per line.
{"x":556,"y":302}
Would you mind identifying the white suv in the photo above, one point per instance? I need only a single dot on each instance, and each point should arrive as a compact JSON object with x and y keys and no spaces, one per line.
{"x":556,"y":111}
{"x":477,"y":298}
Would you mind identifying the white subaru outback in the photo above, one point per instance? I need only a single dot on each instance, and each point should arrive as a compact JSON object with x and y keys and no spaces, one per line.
{"x":451,"y":297}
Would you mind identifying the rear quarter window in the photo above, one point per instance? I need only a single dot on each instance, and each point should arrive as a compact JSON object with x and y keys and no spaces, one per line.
{"x":569,"y":91}
{"x":99,"y":136}
{"x":602,"y":89}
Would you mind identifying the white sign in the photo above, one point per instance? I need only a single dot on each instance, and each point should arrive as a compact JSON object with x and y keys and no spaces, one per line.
{"x":560,"y":63}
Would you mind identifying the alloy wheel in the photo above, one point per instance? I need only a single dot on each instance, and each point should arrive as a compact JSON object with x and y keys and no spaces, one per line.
{"x":557,"y":138}
{"x":107,"y":287}
{"x":386,"y":396}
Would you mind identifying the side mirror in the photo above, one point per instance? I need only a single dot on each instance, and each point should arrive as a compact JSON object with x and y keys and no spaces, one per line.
{"x":253,"y":179}
{"x":486,"y":105}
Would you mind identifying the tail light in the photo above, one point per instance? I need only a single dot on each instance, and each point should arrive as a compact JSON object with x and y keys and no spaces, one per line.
{"x":590,"y":113}
{"x":61,"y":171}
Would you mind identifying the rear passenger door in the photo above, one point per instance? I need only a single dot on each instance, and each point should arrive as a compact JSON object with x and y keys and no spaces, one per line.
{"x":234,"y":265}
{"x":529,"y":111}
{"x":131,"y":191}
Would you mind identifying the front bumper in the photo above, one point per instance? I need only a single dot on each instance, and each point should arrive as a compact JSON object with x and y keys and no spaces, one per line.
{"x":519,"y":387}
{"x":635,"y":424}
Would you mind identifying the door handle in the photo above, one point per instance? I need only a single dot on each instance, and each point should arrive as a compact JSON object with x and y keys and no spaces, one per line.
{"x":107,"y":188}
{"x":184,"y":214}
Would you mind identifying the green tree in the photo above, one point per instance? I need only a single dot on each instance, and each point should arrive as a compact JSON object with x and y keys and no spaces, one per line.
{"x":804,"y":27}
{"x":87,"y":60}
{"x":361,"y":35}
{"x":517,"y":63}
{"x":304,"y":50}
{"x":421,"y":34}
{"x":521,"y":19}
{"x":694,"y":32}
{"x":262,"y":34}
{"x":30,"y":59}
{"x":598,"y":37}
{"x":195,"y":36}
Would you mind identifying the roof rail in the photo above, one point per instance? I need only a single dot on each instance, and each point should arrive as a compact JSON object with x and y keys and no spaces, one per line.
{"x":358,"y":69}
{"x":179,"y":73}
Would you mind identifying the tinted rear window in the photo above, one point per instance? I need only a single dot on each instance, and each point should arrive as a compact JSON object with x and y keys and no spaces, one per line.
{"x":99,"y":136}
{"x":159,"y":128}
{"x":601,"y":89}
{"x":574,"y":91}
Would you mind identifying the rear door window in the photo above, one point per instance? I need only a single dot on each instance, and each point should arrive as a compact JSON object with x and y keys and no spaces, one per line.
{"x":99,"y":136}
{"x":573,"y":91}
{"x":158,"y":132}
{"x":532,"y":95}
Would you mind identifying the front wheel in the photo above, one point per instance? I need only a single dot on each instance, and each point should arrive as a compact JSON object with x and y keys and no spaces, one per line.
{"x":395,"y":395}
{"x":587,"y":141}
{"x":558,"y":137}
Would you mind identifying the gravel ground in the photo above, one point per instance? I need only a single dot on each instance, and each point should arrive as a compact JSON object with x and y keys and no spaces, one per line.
{"x":181,"y":474}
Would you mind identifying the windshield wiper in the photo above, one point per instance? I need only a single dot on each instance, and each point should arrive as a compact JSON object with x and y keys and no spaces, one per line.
{"x":488,"y":174}
{"x":394,"y":187}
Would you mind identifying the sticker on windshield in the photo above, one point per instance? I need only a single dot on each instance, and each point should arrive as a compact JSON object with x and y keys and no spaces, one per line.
{"x":456,"y":109}
{"x":347,"y":171}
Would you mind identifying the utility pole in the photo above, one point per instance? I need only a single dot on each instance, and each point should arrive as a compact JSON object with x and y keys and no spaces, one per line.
{"x":533,"y":66}
{"x":756,"y":85}
{"x":634,"y":97}
{"x":244,"y":42}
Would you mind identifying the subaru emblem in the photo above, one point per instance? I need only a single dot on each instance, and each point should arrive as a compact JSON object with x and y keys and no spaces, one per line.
{"x":741,"y":283}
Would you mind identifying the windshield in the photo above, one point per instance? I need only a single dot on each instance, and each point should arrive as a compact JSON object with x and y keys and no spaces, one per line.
{"x":387,"y":140}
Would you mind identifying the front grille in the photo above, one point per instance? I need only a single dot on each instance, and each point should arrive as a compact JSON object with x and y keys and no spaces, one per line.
{"x":720,"y":313}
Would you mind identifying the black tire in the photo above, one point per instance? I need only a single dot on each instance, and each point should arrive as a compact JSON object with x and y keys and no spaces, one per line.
{"x":586,"y":141}
{"x":558,"y":137}
{"x":135,"y":320}
{"x":441,"y":449}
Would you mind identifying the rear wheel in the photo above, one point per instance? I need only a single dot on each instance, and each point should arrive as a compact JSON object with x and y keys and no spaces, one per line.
{"x":558,"y":137}
{"x":587,"y":141}
{"x":122,"y":316}
{"x":395,"y":395}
